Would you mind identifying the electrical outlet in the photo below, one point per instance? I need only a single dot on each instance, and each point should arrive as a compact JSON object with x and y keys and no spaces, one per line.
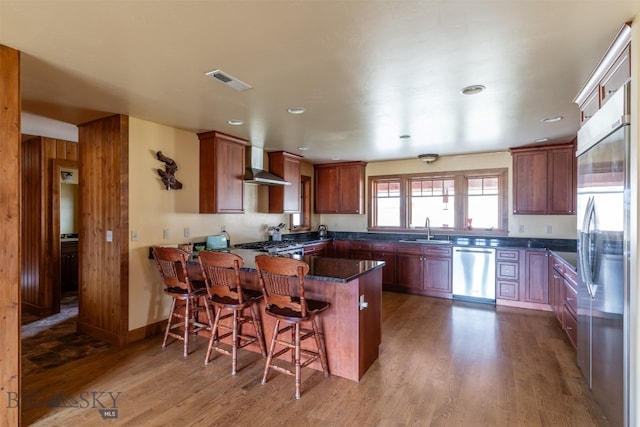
{"x":549,"y":229}
{"x":165,"y":233}
{"x":134,"y":235}
{"x":521,"y":228}
{"x":223,"y":228}
{"x":187,"y":232}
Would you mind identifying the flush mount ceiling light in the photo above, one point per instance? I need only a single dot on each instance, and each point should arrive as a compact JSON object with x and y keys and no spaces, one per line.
{"x":472,"y":90}
{"x":234,"y":122}
{"x":552,"y":119}
{"x":428,"y":158}
{"x":228,"y":80}
{"x":405,"y":136}
{"x":303,"y":148}
{"x":541,"y":140}
{"x":296,"y":110}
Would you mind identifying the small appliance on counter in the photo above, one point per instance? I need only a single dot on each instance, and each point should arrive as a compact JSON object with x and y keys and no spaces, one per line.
{"x":274,"y":232}
{"x":322,"y":231}
{"x":217,"y":242}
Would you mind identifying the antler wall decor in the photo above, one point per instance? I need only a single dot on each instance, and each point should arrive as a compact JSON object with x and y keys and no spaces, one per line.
{"x":168,"y":174}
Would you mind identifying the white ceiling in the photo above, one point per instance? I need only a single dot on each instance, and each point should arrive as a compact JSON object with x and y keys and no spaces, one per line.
{"x":366,"y":71}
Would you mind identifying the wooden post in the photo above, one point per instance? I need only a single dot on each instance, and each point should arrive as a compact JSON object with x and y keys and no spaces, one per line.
{"x":10,"y":236}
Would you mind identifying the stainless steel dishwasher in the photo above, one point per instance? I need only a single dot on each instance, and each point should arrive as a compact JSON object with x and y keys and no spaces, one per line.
{"x":474,"y":274}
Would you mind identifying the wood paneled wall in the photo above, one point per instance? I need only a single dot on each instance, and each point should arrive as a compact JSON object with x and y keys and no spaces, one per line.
{"x":10,"y":232}
{"x":104,"y":206}
{"x":40,"y":247}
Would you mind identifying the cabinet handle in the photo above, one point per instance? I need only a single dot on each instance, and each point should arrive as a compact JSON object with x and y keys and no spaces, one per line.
{"x":569,"y":328}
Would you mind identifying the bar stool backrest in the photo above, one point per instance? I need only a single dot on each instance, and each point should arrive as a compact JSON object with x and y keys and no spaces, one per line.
{"x":172,"y":265}
{"x":282,"y":282}
{"x":221,"y":272}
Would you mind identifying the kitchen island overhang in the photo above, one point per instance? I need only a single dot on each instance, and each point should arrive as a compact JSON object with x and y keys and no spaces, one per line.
{"x":352,"y":326}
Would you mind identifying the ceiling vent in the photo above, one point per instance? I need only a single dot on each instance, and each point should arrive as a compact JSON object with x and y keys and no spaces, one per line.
{"x":228,"y":80}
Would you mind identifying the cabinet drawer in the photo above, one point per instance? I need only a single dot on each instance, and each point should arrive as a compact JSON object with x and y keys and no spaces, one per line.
{"x":571,"y":298}
{"x":383,"y":247}
{"x":508,"y":255}
{"x":571,"y":327}
{"x":409,"y":248}
{"x":360,"y":245}
{"x":508,"y":270}
{"x":616,"y":77}
{"x":437,"y":252}
{"x":507,"y":290}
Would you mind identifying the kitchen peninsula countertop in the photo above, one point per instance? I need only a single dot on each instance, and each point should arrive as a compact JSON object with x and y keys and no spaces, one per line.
{"x":320,"y":268}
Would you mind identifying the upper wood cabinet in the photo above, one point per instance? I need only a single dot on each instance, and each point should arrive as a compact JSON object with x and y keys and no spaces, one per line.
{"x":544,"y":179}
{"x":222,"y":165}
{"x":613,"y":71}
{"x":339,"y":188}
{"x":285,"y":198}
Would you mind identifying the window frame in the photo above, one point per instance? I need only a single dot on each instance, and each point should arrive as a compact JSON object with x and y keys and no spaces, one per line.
{"x":460,"y":207}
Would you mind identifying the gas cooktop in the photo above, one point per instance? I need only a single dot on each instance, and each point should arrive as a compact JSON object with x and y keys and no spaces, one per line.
{"x":272,"y":246}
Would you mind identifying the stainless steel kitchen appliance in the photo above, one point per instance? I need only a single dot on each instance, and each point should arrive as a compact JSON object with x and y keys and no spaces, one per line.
{"x":603,"y":255}
{"x":474,"y":274}
{"x":275,"y":247}
{"x":322,"y":231}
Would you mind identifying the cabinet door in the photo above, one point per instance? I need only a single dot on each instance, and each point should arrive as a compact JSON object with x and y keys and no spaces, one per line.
{"x":352,"y":189}
{"x":285,"y":198}
{"x":536,"y":286}
{"x":557,"y":294}
{"x":409,"y":271}
{"x":327,"y":192}
{"x":530,"y":182}
{"x":389,"y":269}
{"x":437,"y":274}
{"x":221,"y":173}
{"x":339,"y":249}
{"x":562,"y":181}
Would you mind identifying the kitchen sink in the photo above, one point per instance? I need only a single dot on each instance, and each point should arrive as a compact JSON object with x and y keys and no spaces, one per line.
{"x":427,"y":241}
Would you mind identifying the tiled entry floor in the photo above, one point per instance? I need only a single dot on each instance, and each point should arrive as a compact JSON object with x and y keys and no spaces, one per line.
{"x":53,"y":341}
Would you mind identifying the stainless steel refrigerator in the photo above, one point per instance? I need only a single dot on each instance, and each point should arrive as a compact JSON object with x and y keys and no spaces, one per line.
{"x":603,"y":256}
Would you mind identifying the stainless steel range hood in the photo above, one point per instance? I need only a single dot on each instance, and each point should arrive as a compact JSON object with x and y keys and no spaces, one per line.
{"x":255,"y":174}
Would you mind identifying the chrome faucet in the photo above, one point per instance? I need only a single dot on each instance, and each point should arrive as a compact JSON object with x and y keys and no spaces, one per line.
{"x":427,"y":225}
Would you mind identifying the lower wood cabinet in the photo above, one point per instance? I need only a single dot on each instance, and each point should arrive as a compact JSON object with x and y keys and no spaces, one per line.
{"x":564,"y":296}
{"x":68,"y":266}
{"x":522,"y":278}
{"x":383,"y":251}
{"x":424,"y":270}
{"x":318,"y":249}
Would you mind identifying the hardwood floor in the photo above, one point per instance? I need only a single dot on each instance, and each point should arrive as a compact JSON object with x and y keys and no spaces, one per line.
{"x":442,"y":363}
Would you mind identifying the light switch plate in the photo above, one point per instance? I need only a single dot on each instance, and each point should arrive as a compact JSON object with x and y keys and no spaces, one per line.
{"x":109,"y":236}
{"x":134,"y":235}
{"x":187,"y":232}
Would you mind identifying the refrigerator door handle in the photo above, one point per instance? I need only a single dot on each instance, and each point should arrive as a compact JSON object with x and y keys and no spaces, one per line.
{"x":587,"y":247}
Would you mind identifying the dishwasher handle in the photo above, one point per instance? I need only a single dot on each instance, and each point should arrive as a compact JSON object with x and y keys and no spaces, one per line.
{"x":476,"y":251}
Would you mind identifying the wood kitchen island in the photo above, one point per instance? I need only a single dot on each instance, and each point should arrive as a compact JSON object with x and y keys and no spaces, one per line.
{"x":351,"y":325}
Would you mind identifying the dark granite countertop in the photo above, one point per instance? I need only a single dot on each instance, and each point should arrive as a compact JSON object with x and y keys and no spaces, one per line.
{"x":561,"y":245}
{"x":320,"y":268}
{"x":570,"y":258}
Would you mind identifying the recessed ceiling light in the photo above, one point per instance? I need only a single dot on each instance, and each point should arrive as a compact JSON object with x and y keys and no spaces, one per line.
{"x":552,"y":119}
{"x":472,"y":90}
{"x":303,"y":148}
{"x":541,"y":140}
{"x":234,"y":122}
{"x":405,"y":136}
{"x":296,"y":110}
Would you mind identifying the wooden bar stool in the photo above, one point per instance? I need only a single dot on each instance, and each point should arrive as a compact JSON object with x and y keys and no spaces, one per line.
{"x":282,"y":281}
{"x":221,"y":272}
{"x":185,"y":307}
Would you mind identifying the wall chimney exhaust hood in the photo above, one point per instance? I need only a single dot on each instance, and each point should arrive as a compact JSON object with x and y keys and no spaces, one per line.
{"x":255,"y":174}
